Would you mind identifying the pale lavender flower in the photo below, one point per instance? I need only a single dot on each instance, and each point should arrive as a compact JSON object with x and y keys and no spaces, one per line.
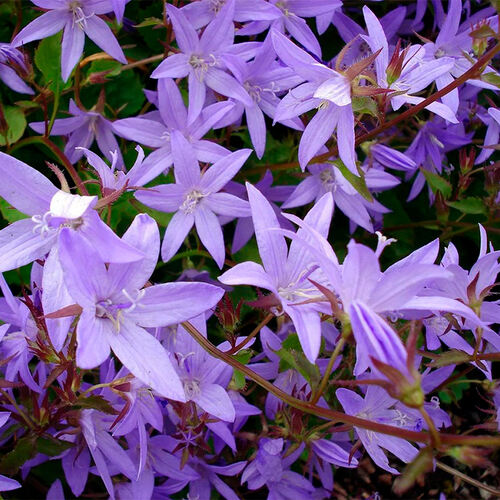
{"x":492,"y":120}
{"x":82,"y":129}
{"x":6,"y":483}
{"x":116,"y":308}
{"x":203,"y":12}
{"x":203,"y":59}
{"x":291,"y":20}
{"x":195,"y":199}
{"x":285,"y":272}
{"x":326,"y":90}
{"x":377,"y":406}
{"x":77,"y":18}
{"x":154,"y":129}
{"x":50,"y":209}
{"x":416,"y":73}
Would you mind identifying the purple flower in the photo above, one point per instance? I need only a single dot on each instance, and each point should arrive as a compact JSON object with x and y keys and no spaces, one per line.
{"x":326,"y":90}
{"x":328,"y":178}
{"x":154,"y":129}
{"x":415,"y":75}
{"x":115,"y":307}
{"x":270,"y":468}
{"x":50,"y":209}
{"x":82,"y":129}
{"x":77,"y":18}
{"x":285,"y":272}
{"x":377,"y":406}
{"x":203,"y":12}
{"x":11,"y":62}
{"x":195,"y":199}
{"x":203,"y":59}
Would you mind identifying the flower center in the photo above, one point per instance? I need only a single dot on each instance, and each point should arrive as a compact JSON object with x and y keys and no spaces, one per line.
{"x":216,"y":5}
{"x":47,"y":223}
{"x":192,"y":388}
{"x":114,"y":311}
{"x":79,"y":16}
{"x":327,"y":178}
{"x":191,"y":201}
{"x":200,"y":64}
{"x":283,"y":6}
{"x":255,"y":91}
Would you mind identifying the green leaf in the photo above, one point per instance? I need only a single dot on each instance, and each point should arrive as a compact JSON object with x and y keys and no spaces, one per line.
{"x":48,"y":61}
{"x":52,"y":447}
{"x":358,"y":183}
{"x":437,"y":183}
{"x":16,"y":124}
{"x":491,"y":78}
{"x":10,"y":214}
{"x":109,"y":67}
{"x":244,"y":356}
{"x":364,"y":105}
{"x":124,"y":93}
{"x":238,"y":382}
{"x":24,"y":450}
{"x":149,"y":21}
{"x":95,"y":402}
{"x":292,"y":356}
{"x":470,"y":205}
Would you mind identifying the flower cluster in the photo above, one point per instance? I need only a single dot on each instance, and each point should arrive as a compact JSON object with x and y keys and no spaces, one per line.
{"x":184,"y":313}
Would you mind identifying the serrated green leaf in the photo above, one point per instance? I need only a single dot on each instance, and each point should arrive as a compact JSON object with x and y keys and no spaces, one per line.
{"x":470,"y":205}
{"x":24,"y":450}
{"x":358,"y":183}
{"x":16,"y":124}
{"x":10,"y":214}
{"x":437,"y":183}
{"x":48,"y":61}
{"x":95,"y":402}
{"x":52,"y":447}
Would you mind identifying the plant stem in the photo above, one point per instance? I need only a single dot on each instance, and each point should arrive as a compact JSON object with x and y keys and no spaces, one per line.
{"x":333,"y":415}
{"x":255,"y":331}
{"x":328,"y":371}
{"x":467,"y":478}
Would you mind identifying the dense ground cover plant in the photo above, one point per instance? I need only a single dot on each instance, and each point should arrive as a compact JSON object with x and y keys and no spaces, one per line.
{"x":248,"y":249}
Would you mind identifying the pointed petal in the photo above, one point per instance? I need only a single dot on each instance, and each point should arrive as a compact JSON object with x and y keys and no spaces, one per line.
{"x":257,"y":129}
{"x":227,"y":204}
{"x":215,"y":401}
{"x":317,"y":133}
{"x":210,"y":233}
{"x":272,"y":245}
{"x":146,"y":358}
{"x":143,"y":235}
{"x":172,"y":303}
{"x":225,"y":84}
{"x":345,"y":138}
{"x":44,"y":26}
{"x":177,"y":230}
{"x":220,"y":32}
{"x":92,"y":346}
{"x":147,"y":132}
{"x":165,"y":197}
{"x":185,"y":35}
{"x":248,"y":273}
{"x":174,"y":66}
{"x":100,"y":33}
{"x":24,"y":187}
{"x":221,"y":172}
{"x":72,"y":49}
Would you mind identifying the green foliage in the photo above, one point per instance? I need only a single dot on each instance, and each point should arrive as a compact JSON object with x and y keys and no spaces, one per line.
{"x":48,"y":61}
{"x":358,"y":183}
{"x":470,"y":205}
{"x":437,"y":183}
{"x":291,"y":356}
{"x":16,"y":124}
{"x":10,"y":214}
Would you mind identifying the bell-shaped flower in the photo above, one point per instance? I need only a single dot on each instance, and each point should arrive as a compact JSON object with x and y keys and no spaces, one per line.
{"x":195,"y":199}
{"x":12,"y":63}
{"x":50,"y":209}
{"x":77,"y":18}
{"x":82,"y":129}
{"x":116,"y":308}
{"x":285,"y":272}
{"x":202,"y":59}
{"x":155,"y":128}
